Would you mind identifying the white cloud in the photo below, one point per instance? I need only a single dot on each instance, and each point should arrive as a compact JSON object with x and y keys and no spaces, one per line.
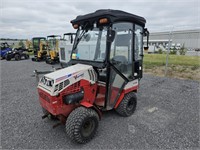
{"x":28,"y":18}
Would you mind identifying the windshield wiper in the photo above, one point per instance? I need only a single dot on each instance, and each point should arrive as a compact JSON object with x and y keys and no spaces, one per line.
{"x":79,"y":38}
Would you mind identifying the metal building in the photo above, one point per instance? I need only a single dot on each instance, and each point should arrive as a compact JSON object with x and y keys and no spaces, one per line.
{"x":189,"y":38}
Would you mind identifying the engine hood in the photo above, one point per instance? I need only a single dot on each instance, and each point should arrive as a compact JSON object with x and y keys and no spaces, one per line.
{"x":68,"y":72}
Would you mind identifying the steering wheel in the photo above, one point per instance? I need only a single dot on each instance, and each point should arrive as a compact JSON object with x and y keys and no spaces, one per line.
{"x":115,"y":62}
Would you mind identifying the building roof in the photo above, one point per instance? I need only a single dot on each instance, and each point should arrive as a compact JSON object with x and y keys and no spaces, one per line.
{"x":176,"y":32}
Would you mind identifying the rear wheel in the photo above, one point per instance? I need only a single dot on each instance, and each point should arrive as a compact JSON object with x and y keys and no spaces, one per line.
{"x":48,"y":60}
{"x":128,"y":105}
{"x":17,"y":57}
{"x":82,"y":124}
{"x":26,"y":56}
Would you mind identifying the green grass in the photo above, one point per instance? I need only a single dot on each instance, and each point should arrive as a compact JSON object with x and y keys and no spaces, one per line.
{"x":151,"y":60}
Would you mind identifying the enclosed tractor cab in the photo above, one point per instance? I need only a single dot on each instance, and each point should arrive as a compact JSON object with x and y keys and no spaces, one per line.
{"x":53,"y":48}
{"x":66,"y":44}
{"x":39,"y":48}
{"x":104,"y":73}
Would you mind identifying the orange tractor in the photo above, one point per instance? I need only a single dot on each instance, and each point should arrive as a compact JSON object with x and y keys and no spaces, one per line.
{"x":103,"y":73}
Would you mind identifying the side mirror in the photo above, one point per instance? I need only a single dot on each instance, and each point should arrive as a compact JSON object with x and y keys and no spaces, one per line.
{"x":111,"y":35}
{"x":146,"y":33}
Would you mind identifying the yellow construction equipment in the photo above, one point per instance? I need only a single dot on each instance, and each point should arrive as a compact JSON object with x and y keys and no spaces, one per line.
{"x":29,"y":45}
{"x":53,"y":48}
{"x":39,"y":48}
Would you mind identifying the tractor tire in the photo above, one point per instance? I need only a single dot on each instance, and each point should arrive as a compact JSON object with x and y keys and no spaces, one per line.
{"x":26,"y":56}
{"x":50,"y":116}
{"x":8,"y":58}
{"x":33,"y":59}
{"x":128,"y":105}
{"x":17,"y":57}
{"x":82,"y":124}
{"x":49,"y":61}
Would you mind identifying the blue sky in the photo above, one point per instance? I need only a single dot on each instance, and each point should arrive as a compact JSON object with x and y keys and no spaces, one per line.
{"x":28,"y":18}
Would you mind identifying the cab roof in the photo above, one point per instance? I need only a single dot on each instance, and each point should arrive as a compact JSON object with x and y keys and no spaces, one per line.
{"x":39,"y":38}
{"x":53,"y":36}
{"x":69,"y":34}
{"x":112,"y":15}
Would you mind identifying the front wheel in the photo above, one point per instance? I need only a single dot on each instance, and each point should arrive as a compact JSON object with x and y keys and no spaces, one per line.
{"x":17,"y":57}
{"x":128,"y":105}
{"x":82,"y":124}
{"x":8,"y":58}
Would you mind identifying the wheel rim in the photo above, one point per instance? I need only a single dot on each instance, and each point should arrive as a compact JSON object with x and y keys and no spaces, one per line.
{"x":88,"y":127}
{"x":17,"y":57}
{"x":131,"y":105}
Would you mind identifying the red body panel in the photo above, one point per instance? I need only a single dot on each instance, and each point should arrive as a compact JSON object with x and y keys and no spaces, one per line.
{"x":100,"y":99}
{"x":55,"y":105}
{"x":93,"y":93}
{"x":123,"y":93}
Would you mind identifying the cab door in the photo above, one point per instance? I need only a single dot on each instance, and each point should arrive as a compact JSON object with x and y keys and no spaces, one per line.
{"x":121,"y":62}
{"x":138,"y":51}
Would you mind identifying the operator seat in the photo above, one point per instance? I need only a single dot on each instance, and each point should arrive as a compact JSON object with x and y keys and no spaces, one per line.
{"x":122,"y":67}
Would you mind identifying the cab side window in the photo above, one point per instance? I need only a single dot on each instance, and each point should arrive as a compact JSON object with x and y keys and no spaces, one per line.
{"x":121,"y":48}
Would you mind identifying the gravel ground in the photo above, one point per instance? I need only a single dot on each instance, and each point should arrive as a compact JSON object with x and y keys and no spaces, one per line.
{"x":167,"y":115}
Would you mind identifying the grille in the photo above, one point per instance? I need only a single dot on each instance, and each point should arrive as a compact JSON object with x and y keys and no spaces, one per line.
{"x":62,"y":51}
{"x":73,"y":88}
{"x":45,"y":97}
{"x":61,"y":86}
{"x":66,"y":82}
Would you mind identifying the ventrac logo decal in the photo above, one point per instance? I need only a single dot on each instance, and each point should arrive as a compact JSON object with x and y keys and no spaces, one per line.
{"x":65,"y":77}
{"x":135,"y":82}
{"x":78,"y":76}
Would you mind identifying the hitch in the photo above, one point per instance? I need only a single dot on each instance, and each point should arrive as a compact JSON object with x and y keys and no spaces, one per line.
{"x":57,"y":124}
{"x":44,"y":116}
{"x":36,"y":73}
{"x":62,"y":120}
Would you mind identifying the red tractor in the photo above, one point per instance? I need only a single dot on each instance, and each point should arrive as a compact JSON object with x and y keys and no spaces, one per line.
{"x":103,"y":73}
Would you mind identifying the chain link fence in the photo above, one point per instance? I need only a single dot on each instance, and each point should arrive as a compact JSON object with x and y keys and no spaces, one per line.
{"x":171,"y":44}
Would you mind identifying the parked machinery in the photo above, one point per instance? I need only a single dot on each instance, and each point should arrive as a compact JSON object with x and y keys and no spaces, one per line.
{"x":101,"y":76}
{"x":53,"y":48}
{"x":39,"y":48}
{"x":4,"y":49}
{"x":17,"y":54}
{"x":66,"y":44}
{"x":29,"y":45}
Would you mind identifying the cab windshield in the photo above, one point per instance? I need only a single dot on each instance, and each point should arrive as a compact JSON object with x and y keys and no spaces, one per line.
{"x":52,"y":44}
{"x":90,"y":45}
